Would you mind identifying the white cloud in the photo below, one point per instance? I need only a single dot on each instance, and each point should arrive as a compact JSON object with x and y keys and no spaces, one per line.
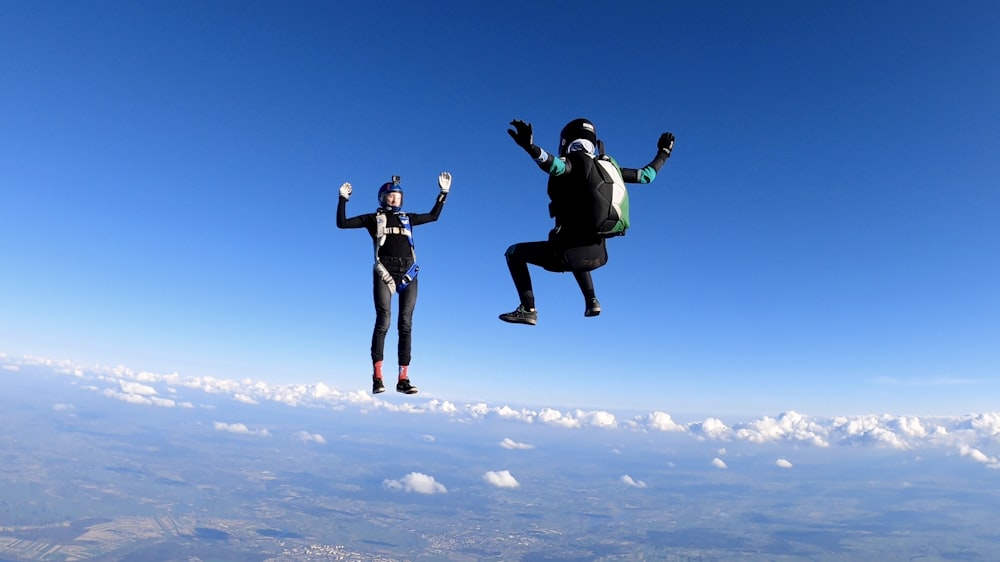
{"x":416,"y":482}
{"x":597,"y":418}
{"x":240,"y":429}
{"x":661,"y":421}
{"x":501,"y":479}
{"x":240,"y":397}
{"x":428,"y":438}
{"x":789,"y":426}
{"x":555,"y":417}
{"x":986,"y":425}
{"x":307,"y":437}
{"x":975,"y":454}
{"x":711,"y":428}
{"x":12,"y":368}
{"x":443,"y":407}
{"x":144,"y":400}
{"x":719,"y":463}
{"x":63,"y":407}
{"x":870,"y":429}
{"x":979,"y":456}
{"x":509,"y":443}
{"x":136,"y":388}
{"x":905,"y":432}
{"x":634,"y":483}
{"x":783,"y":463}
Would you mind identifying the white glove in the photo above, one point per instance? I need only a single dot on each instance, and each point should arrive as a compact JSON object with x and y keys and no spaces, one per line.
{"x":345,"y":190}
{"x":444,"y":182}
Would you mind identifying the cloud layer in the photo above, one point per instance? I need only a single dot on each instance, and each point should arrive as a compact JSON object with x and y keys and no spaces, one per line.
{"x":970,"y":436}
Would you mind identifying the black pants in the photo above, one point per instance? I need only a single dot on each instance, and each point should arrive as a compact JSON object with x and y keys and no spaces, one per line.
{"x":580,"y":260}
{"x":383,"y":310}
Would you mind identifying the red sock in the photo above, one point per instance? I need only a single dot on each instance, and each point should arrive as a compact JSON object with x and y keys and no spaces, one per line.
{"x":402,"y":372}
{"x":378,"y":370}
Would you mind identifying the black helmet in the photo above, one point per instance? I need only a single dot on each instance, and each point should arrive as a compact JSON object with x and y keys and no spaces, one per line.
{"x":576,"y":129}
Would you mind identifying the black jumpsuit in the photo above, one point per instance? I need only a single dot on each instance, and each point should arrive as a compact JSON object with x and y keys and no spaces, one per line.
{"x":396,"y":255}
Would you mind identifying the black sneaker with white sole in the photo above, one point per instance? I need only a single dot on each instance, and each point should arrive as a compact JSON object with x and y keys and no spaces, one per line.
{"x":521,"y":316}
{"x":405,"y":387}
{"x":593,"y":307}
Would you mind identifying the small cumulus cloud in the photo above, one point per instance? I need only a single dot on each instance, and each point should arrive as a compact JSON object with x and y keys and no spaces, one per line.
{"x":979,"y":456}
{"x":711,"y":428}
{"x":417,"y":483}
{"x":428,"y":438}
{"x":145,"y":400}
{"x":552,"y":416}
{"x":661,"y":421}
{"x":597,"y":418}
{"x":509,"y":443}
{"x":240,"y":397}
{"x":240,"y":428}
{"x":783,"y":463}
{"x":719,"y":463}
{"x":629,"y":481}
{"x":136,"y":388}
{"x":63,"y":407}
{"x":307,"y":437}
{"x":501,"y":479}
{"x":443,"y":407}
{"x":9,"y":367}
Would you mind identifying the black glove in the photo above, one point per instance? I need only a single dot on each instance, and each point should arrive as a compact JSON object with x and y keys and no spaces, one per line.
{"x":522,"y":134}
{"x":666,"y":143}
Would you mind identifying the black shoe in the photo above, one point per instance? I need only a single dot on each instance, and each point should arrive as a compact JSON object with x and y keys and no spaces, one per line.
{"x":521,"y":316}
{"x":405,"y":387}
{"x":377,"y":386}
{"x":593,"y":307}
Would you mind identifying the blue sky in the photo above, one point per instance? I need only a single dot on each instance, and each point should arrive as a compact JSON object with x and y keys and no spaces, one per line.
{"x":824,"y":238}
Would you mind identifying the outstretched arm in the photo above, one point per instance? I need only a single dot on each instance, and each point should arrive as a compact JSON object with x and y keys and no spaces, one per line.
{"x":522,"y":135}
{"x":665,"y":145}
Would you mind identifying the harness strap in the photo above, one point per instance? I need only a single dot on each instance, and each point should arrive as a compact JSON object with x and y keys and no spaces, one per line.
{"x":381,"y":231}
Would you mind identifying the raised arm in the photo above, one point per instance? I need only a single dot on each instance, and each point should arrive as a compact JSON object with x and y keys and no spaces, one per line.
{"x":342,"y":220}
{"x":444,"y":183}
{"x":647,"y":173}
{"x":522,"y":135}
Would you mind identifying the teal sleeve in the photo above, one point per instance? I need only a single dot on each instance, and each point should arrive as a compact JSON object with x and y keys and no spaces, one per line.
{"x":557,"y":167}
{"x":647,"y":174}
{"x":551,"y":165}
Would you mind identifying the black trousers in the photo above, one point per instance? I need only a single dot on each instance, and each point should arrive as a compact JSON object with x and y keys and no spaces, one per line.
{"x":383,"y":310}
{"x":580,"y":260}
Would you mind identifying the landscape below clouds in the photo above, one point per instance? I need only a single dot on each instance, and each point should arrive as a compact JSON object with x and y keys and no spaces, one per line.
{"x":121,"y":465}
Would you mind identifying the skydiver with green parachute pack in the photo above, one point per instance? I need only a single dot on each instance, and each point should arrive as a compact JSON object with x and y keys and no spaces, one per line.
{"x":589,"y":203}
{"x":395,"y":270}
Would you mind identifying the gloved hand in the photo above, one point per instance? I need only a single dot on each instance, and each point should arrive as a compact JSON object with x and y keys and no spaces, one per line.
{"x":521,"y":134}
{"x":666,"y":143}
{"x":444,"y":182}
{"x":346,"y":190}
